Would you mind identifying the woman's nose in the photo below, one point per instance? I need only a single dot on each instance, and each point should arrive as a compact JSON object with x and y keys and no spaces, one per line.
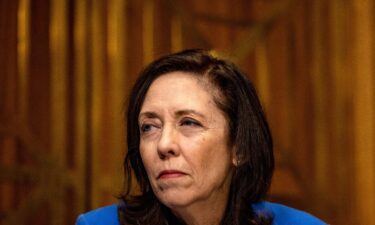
{"x":168,"y":143}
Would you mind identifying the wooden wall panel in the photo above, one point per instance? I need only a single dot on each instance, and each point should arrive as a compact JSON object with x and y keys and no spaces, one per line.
{"x":66,"y":68}
{"x":8,"y":105}
{"x":80,"y":102}
{"x":364,"y":111}
{"x":37,"y":164}
{"x":107,"y":95}
{"x":342,"y":143}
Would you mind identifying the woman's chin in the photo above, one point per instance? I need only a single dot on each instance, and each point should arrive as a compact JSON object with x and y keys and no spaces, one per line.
{"x":173,"y":202}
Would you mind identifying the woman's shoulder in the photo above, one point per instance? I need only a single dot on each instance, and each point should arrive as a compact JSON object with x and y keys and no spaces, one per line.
{"x":106,"y":215}
{"x":284,"y":215}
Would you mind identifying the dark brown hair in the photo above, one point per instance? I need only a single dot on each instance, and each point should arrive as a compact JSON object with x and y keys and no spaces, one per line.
{"x":249,"y":134}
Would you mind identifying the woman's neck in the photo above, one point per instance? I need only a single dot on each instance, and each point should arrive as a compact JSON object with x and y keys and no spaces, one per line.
{"x":205,"y":212}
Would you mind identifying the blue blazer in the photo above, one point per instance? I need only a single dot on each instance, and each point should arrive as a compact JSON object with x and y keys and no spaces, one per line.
{"x":282,"y":215}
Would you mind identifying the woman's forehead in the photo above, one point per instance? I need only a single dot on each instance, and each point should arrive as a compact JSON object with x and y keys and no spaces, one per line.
{"x":179,"y":92}
{"x":172,"y":85}
{"x":196,"y":81}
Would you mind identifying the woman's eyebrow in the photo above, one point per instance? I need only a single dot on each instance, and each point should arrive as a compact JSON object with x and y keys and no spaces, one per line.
{"x":147,"y":114}
{"x":189,"y":111}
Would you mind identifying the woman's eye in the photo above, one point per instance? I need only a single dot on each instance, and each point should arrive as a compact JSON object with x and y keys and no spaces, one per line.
{"x":146,"y":128}
{"x":190,"y":122}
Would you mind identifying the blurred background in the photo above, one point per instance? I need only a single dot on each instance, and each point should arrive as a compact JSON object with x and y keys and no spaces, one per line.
{"x":66,"y":67}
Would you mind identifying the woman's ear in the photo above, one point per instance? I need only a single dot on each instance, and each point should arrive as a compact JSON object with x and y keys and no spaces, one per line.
{"x":236,"y":162}
{"x":235,"y":158}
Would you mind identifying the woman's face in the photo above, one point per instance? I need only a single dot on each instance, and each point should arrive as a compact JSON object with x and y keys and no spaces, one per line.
{"x":184,"y":142}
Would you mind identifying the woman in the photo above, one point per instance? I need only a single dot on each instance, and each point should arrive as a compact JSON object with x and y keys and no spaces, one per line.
{"x":200,"y":148}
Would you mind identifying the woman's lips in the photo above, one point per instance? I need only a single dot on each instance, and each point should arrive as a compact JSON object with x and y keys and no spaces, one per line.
{"x":165,"y":174}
